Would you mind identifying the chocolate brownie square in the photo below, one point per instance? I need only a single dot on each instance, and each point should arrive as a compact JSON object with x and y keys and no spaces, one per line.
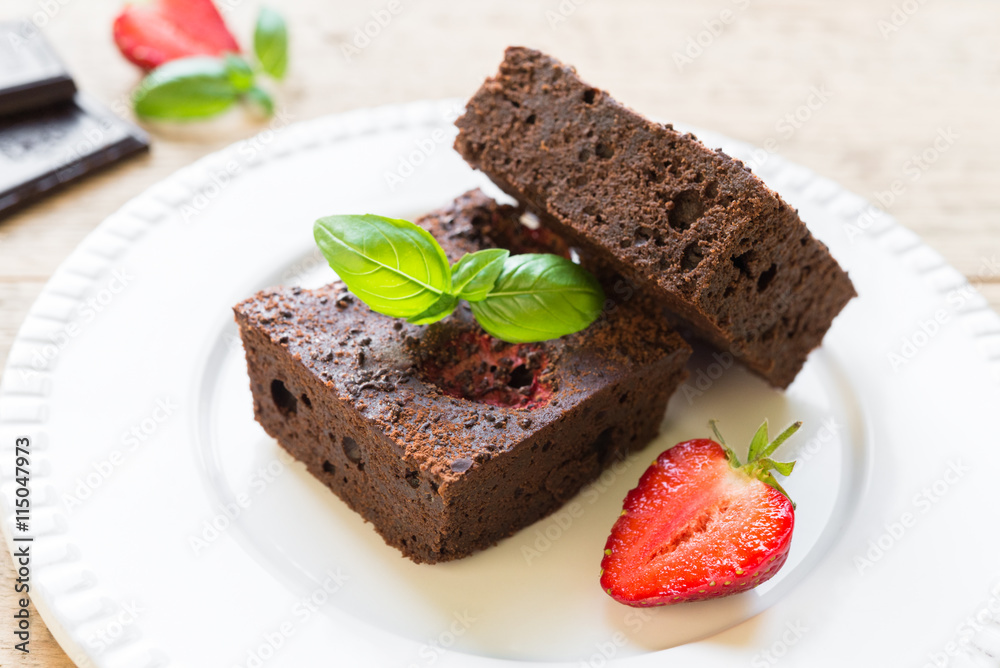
{"x":692,"y":227}
{"x":446,"y":439}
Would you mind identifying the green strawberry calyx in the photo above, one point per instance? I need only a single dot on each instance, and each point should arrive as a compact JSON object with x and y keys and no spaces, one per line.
{"x":759,"y":463}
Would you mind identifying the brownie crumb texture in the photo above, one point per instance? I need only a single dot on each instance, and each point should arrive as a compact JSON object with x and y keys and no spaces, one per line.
{"x":689,"y":225}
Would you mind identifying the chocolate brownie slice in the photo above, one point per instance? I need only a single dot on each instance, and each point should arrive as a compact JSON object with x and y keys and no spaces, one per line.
{"x":691,"y":226}
{"x":446,"y":439}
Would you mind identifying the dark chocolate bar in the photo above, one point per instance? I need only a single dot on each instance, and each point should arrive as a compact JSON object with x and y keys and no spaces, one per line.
{"x":31,"y":75}
{"x":43,"y":149}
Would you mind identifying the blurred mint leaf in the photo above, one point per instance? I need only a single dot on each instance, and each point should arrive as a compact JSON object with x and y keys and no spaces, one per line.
{"x":259,"y":98}
{"x":186,"y":89}
{"x":270,"y":42}
{"x":240,"y":72}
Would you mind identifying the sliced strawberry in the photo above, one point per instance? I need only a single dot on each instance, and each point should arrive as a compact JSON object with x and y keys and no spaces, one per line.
{"x":700,"y":525}
{"x":164,"y":30}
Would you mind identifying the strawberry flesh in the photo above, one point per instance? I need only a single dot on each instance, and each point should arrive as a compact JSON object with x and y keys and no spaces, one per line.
{"x":152,"y":34}
{"x":695,"y":528}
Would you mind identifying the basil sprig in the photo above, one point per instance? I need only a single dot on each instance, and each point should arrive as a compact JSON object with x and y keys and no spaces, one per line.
{"x":400,"y":270}
{"x":200,"y":87}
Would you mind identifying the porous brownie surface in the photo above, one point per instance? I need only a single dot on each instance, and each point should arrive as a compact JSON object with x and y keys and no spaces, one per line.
{"x":691,"y":226}
{"x":377,"y":408}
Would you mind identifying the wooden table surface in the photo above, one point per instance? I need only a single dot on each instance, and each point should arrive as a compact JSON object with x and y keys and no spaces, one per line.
{"x":884,"y":77}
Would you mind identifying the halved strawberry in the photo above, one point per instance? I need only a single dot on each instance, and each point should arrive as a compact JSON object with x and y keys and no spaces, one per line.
{"x":700,"y":524}
{"x":157,"y":32}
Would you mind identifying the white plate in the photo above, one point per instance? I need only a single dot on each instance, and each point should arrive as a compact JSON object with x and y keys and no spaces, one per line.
{"x":129,"y":379}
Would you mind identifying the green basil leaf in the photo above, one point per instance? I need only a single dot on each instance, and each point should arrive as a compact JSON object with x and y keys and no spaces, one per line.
{"x":259,"y":97}
{"x":240,"y":73}
{"x":439,"y":310}
{"x":539,"y":297}
{"x":270,"y":42}
{"x":185,"y":89}
{"x":474,"y":275}
{"x":394,"y":266}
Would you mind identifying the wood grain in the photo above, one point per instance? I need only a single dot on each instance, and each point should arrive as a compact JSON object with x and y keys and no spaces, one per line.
{"x":886,"y":98}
